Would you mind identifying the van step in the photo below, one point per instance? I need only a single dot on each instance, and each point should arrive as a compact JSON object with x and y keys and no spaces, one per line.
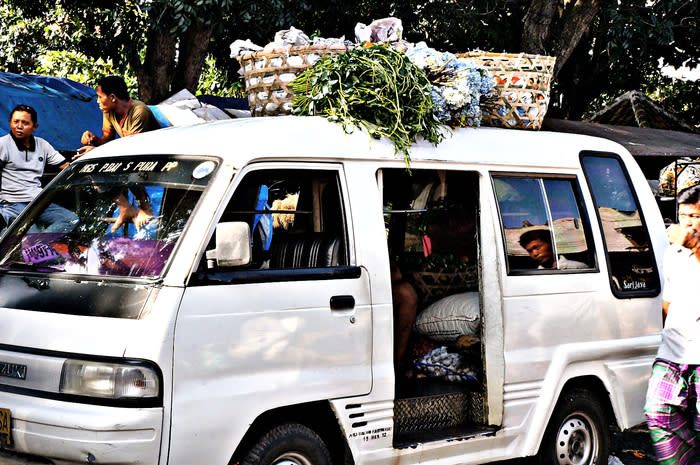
{"x":438,"y":412}
{"x":456,"y":433}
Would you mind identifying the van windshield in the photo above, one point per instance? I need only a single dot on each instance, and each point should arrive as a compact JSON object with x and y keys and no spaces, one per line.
{"x":108,"y":217}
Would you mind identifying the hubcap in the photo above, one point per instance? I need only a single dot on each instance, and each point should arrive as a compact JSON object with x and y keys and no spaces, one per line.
{"x":577,"y":441}
{"x":291,"y":458}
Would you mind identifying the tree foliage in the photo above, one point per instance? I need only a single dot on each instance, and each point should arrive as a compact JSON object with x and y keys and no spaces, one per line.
{"x":621,"y":52}
{"x":603,"y":47}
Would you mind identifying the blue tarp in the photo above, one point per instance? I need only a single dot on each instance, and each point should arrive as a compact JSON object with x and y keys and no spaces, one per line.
{"x":65,"y":108}
{"x":225,"y":102}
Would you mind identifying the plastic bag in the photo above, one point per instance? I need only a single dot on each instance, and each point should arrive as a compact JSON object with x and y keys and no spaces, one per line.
{"x":379,"y":30}
{"x":439,"y":363}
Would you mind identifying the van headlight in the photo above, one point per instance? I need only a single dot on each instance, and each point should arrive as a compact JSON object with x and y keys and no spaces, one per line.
{"x":109,"y":380}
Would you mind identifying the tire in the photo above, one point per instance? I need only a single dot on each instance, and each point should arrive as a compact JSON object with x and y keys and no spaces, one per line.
{"x":289,"y":444}
{"x":577,"y":433}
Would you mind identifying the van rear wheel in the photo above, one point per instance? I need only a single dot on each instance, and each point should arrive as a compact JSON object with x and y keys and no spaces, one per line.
{"x":289,"y":444}
{"x":577,"y":433}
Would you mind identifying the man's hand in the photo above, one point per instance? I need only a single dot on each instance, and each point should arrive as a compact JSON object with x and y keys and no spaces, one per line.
{"x":87,"y":138}
{"x":82,"y":151}
{"x":686,"y":237}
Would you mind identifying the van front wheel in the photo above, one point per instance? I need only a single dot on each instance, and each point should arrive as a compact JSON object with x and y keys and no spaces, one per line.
{"x":577,"y":433}
{"x":289,"y":444}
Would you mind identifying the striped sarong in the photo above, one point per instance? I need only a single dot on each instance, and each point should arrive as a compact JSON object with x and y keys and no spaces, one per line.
{"x":672,"y":412}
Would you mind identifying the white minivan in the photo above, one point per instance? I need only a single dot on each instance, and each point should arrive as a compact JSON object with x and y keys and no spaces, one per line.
{"x":224,"y":296}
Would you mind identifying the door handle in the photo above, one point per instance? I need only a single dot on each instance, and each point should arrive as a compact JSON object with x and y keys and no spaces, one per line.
{"x":342,"y":302}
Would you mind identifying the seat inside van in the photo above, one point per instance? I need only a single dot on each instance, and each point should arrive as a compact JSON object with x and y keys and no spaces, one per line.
{"x":295,"y":217}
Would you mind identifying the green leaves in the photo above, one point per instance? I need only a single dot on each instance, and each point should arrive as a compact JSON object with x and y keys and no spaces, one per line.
{"x":213,"y":82}
{"x":377,"y":88}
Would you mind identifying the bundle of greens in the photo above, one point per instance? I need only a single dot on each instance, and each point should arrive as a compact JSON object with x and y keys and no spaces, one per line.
{"x":375,"y":87}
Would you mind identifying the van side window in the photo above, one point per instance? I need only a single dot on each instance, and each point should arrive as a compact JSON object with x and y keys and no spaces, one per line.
{"x":543,"y":225}
{"x":295,"y":218}
{"x":631,"y":263}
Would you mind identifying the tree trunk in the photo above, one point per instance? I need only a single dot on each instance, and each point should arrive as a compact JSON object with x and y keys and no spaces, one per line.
{"x":156,"y":72}
{"x":537,"y":26}
{"x":555,"y":28}
{"x":574,"y":23}
{"x":584,"y":79}
{"x":192,"y":52}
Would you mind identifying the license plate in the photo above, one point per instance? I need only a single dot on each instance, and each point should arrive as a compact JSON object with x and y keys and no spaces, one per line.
{"x":5,"y":430}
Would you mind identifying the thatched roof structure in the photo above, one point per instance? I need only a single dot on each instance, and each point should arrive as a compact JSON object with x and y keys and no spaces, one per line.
{"x":636,"y":109}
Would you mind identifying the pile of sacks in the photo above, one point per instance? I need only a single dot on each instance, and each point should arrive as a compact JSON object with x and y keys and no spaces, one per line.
{"x":388,"y":30}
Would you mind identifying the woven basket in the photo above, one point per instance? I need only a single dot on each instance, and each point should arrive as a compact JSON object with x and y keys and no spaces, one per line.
{"x":267,"y":75}
{"x":522,"y":88}
{"x":434,"y":286}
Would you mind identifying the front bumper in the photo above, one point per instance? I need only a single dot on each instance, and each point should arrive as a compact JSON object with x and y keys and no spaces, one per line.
{"x":67,"y":432}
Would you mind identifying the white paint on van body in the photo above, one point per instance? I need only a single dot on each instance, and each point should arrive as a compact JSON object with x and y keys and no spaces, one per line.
{"x":230,"y":354}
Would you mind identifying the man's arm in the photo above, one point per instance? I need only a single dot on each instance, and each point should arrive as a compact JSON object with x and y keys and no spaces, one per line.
{"x":664,"y":312}
{"x":90,"y":140}
{"x":686,"y":237}
{"x":53,"y":157}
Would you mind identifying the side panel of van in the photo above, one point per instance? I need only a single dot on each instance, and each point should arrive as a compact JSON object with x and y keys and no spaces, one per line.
{"x":564,"y":327}
{"x":251,"y":340}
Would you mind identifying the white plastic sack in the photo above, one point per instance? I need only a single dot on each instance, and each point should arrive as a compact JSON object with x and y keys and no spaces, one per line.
{"x":448,"y":318}
{"x":380,"y":30}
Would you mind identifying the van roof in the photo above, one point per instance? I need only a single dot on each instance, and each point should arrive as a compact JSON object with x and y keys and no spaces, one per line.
{"x":239,"y":141}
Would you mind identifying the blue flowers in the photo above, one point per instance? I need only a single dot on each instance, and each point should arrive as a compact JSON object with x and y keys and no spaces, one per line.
{"x":457,"y":85}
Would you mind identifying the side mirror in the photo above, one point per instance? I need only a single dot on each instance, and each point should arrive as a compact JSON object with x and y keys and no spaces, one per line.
{"x":232,"y":245}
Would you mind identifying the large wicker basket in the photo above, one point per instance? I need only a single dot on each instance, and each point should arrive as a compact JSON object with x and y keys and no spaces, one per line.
{"x":434,"y":286}
{"x":268,"y":73}
{"x":522,"y":88}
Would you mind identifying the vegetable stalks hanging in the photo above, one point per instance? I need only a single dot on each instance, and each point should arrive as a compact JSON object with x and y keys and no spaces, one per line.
{"x":375,"y":87}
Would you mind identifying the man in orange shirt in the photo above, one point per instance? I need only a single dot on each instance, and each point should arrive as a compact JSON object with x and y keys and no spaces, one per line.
{"x":122,"y":115}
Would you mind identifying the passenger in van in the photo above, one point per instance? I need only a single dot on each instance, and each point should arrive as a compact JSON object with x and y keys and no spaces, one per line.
{"x":405,"y":302}
{"x":673,"y":397}
{"x":538,"y":244}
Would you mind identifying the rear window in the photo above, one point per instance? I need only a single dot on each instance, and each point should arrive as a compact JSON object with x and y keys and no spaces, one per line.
{"x":631,"y":264}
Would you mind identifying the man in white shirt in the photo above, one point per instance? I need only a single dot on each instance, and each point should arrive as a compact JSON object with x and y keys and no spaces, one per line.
{"x":23,"y":158}
{"x":674,"y":386}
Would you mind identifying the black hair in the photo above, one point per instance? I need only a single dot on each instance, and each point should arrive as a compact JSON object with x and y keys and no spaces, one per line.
{"x":534,"y":234}
{"x":114,"y":85}
{"x":26,"y":109}
{"x":690,"y":195}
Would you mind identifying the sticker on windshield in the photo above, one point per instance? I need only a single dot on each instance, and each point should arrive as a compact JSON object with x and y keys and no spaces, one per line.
{"x":203,"y":169}
{"x":38,"y":253}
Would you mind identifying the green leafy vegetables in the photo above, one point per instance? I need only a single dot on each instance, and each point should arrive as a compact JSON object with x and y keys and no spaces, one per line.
{"x":377,"y":88}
